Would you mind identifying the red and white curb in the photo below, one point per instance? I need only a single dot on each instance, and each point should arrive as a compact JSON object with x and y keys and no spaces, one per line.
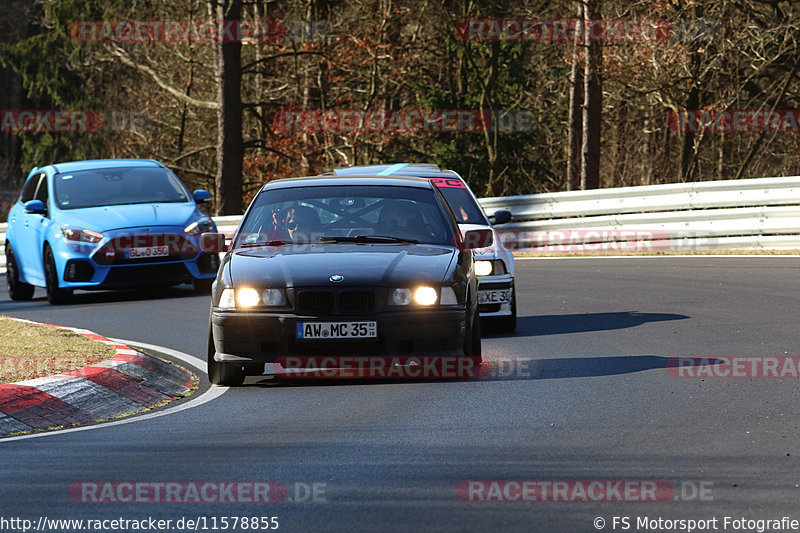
{"x":127,"y":383}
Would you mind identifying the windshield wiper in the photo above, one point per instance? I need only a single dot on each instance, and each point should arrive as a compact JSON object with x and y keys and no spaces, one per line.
{"x":368,"y":238}
{"x":276,"y":242}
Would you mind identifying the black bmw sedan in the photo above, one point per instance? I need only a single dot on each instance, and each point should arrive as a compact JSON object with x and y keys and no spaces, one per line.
{"x":342,"y":268}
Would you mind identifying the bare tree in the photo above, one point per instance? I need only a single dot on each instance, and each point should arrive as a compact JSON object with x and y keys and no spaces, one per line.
{"x":230,"y":148}
{"x":592,"y":99}
{"x":574,"y":137}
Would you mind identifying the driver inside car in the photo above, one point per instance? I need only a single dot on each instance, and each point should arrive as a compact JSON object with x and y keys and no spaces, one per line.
{"x":300,"y":223}
{"x":401,"y":218}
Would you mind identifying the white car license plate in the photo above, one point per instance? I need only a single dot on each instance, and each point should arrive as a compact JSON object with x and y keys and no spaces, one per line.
{"x":148,"y":251}
{"x":337,"y":330}
{"x":499,"y":296}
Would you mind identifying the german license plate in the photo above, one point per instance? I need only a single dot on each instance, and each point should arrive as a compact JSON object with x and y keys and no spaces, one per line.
{"x":498,"y":296}
{"x":337,"y":330}
{"x":148,"y":251}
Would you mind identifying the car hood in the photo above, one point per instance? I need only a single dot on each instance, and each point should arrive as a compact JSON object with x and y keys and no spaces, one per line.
{"x":359,"y":264}
{"x":129,"y":216}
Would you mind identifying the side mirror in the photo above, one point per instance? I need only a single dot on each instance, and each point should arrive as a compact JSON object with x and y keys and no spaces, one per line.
{"x":478,"y":238}
{"x":500,"y":217}
{"x":201,"y":195}
{"x":35,"y":207}
{"x":213,"y":242}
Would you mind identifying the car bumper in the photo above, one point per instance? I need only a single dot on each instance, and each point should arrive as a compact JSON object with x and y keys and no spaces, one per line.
{"x":265,"y":337}
{"x":131,"y":276}
{"x":79,"y":268}
{"x":490,"y":284}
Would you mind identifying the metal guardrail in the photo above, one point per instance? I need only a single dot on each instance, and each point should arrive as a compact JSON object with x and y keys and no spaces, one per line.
{"x":761,"y":213}
{"x":651,"y":198}
{"x":227,"y":224}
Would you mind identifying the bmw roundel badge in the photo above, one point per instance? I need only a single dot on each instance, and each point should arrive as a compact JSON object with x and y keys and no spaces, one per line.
{"x":336,"y":277}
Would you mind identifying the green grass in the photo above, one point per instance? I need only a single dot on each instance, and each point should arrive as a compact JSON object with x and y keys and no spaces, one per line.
{"x":30,"y":351}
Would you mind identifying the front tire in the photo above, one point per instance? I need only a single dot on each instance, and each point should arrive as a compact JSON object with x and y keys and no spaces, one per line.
{"x":55,"y":295}
{"x":222,"y":373}
{"x":17,"y":289}
{"x":472,"y":340}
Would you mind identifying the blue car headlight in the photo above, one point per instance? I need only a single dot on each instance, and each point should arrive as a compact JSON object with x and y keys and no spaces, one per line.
{"x":81,"y":235}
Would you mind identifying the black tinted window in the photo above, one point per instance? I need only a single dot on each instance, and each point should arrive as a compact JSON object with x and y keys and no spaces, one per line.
{"x":42,"y":192}
{"x":29,"y":189}
{"x":314,"y":213}
{"x":117,"y":186}
{"x":462,"y":204}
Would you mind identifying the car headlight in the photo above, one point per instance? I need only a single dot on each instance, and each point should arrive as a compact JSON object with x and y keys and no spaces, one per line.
{"x":400,"y":297}
{"x":487,"y":268}
{"x":426,"y":296}
{"x":81,"y":235}
{"x":198,"y":227}
{"x":274,"y":297}
{"x":483,"y":268}
{"x":247,"y":297}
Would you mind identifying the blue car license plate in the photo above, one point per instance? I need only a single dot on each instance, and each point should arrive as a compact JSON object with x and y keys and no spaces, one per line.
{"x":148,"y":251}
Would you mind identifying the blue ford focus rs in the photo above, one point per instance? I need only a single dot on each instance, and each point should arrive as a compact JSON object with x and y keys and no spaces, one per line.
{"x":106,"y":224}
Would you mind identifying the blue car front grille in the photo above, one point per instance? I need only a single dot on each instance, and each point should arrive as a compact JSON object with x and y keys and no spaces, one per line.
{"x":132,"y":276}
{"x":116,"y":251}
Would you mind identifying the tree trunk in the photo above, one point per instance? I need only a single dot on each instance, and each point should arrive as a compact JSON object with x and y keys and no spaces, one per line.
{"x":592,"y":100}
{"x":687,"y":142}
{"x":489,"y":111}
{"x":230,"y":150}
{"x":574,"y":140}
{"x":693,"y":103}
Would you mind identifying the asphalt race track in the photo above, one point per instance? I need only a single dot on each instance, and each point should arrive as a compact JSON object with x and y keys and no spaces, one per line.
{"x":580,"y":393}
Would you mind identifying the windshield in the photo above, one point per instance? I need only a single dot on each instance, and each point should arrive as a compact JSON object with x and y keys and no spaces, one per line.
{"x":372,"y":214}
{"x":117,"y":186}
